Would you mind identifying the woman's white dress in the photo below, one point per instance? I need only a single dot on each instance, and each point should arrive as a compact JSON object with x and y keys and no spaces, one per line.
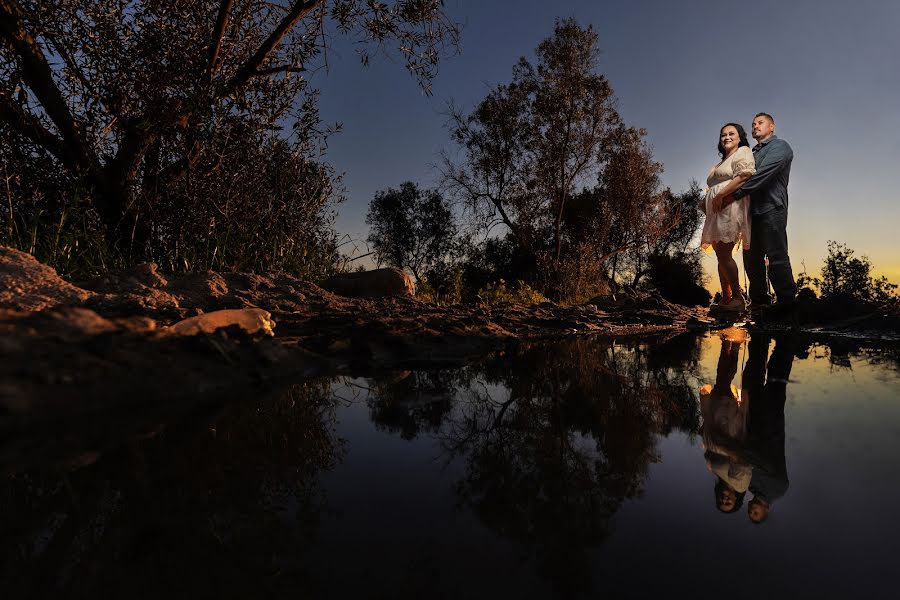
{"x":724,"y":432}
{"x":732,"y":223}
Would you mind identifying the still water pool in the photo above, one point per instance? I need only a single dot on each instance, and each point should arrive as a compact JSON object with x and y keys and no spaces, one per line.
{"x":734,"y":465}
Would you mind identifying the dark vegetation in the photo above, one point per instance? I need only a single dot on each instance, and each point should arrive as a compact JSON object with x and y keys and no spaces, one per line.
{"x":187,"y":132}
{"x":554,"y":192}
{"x":846,"y":286}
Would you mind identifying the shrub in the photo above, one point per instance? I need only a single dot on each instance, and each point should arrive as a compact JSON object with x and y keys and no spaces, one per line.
{"x":442,"y":285}
{"x":847,"y":275}
{"x":679,"y":279}
{"x":497,"y":293}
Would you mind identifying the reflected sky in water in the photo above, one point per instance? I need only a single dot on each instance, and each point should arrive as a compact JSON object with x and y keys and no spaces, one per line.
{"x":564,"y":469}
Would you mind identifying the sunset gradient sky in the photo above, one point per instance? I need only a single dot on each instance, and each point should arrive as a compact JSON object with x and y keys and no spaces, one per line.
{"x":828,"y":70}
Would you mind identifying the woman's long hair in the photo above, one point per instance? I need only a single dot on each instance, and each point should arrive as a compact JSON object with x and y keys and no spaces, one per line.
{"x":742,"y":137}
{"x":720,"y":486}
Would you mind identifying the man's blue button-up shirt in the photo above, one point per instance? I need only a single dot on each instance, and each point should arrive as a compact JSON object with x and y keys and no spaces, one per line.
{"x":768,"y":186}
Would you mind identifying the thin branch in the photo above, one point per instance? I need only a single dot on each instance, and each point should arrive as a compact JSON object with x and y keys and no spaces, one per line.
{"x":251,"y":68}
{"x":218,"y":35}
{"x":361,"y":256}
{"x":280,"y":69}
{"x":30,"y":127}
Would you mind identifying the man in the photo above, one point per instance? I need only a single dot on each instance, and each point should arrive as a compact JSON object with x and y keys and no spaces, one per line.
{"x":768,"y":229}
{"x":766,"y":393}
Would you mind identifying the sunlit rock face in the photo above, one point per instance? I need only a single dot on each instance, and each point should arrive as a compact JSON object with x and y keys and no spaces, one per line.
{"x":372,"y":284}
{"x":28,"y":285}
{"x":251,"y":320}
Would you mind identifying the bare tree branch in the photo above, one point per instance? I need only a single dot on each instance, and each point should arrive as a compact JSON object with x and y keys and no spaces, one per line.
{"x":280,"y":69}
{"x":251,"y":67}
{"x":218,"y":34}
{"x":30,"y":127}
{"x":38,"y":75}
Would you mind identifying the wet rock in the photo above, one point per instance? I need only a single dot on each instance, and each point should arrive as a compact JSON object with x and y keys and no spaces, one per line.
{"x":28,"y":285}
{"x":372,"y":284}
{"x":250,"y":320}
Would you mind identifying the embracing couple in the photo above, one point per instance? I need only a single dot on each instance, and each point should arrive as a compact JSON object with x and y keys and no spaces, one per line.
{"x":746,"y":206}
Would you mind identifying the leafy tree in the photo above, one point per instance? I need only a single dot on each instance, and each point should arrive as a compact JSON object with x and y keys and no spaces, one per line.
{"x":119,"y":110}
{"x":531,"y":143}
{"x":411,"y":228}
{"x":616,"y":225}
{"x":845,"y":275}
{"x":548,"y":157}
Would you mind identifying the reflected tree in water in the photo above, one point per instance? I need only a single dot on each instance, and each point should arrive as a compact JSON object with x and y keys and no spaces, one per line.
{"x":555,"y":441}
{"x":413,"y":402}
{"x":224,"y":508}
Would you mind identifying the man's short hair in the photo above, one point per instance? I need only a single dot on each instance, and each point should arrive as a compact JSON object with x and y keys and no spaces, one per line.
{"x":766,"y":115}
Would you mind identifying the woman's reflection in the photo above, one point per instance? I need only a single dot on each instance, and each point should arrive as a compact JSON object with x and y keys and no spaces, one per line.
{"x":724,"y":430}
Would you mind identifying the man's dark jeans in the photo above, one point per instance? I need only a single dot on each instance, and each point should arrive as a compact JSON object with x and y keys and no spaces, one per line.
{"x":768,"y":238}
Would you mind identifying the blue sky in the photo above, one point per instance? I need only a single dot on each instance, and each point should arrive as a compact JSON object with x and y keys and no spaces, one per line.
{"x":827,"y":70}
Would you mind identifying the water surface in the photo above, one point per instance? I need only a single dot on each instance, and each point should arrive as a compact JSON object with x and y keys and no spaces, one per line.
{"x":693,"y":465}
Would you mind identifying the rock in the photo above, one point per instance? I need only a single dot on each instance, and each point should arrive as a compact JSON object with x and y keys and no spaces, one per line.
{"x":206,"y":291}
{"x":137,"y":279}
{"x":136,"y":290}
{"x":251,"y":320}
{"x":371,"y":284}
{"x":27,"y":285}
{"x":147,"y":274}
{"x":136,"y":300}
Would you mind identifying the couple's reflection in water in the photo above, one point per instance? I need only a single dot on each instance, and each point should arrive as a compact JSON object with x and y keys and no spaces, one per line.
{"x":743,"y":427}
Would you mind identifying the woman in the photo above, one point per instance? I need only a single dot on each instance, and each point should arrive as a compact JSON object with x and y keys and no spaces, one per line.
{"x":725,"y":413}
{"x":727,"y":227}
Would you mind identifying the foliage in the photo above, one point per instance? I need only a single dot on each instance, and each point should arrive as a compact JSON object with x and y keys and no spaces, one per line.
{"x":520,"y":293}
{"x":849,"y":276}
{"x":184,"y":132}
{"x":443,"y":284}
{"x":411,"y":228}
{"x":493,"y":258}
{"x":548,"y":157}
{"x":807,"y":286}
{"x":678,"y":278}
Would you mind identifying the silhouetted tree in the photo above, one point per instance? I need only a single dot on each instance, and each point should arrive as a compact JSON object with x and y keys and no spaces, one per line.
{"x":410,"y":228}
{"x":551,"y":136}
{"x":849,"y":276}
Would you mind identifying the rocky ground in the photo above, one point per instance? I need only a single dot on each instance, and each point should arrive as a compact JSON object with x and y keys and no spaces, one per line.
{"x":137,"y":346}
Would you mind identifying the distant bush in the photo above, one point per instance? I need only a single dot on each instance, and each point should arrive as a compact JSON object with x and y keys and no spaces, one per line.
{"x":847,"y":277}
{"x":442,"y":285}
{"x":499,"y":293}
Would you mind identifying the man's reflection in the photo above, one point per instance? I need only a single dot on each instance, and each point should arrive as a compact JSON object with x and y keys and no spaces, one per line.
{"x":743,"y":429}
{"x":765,"y":431}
